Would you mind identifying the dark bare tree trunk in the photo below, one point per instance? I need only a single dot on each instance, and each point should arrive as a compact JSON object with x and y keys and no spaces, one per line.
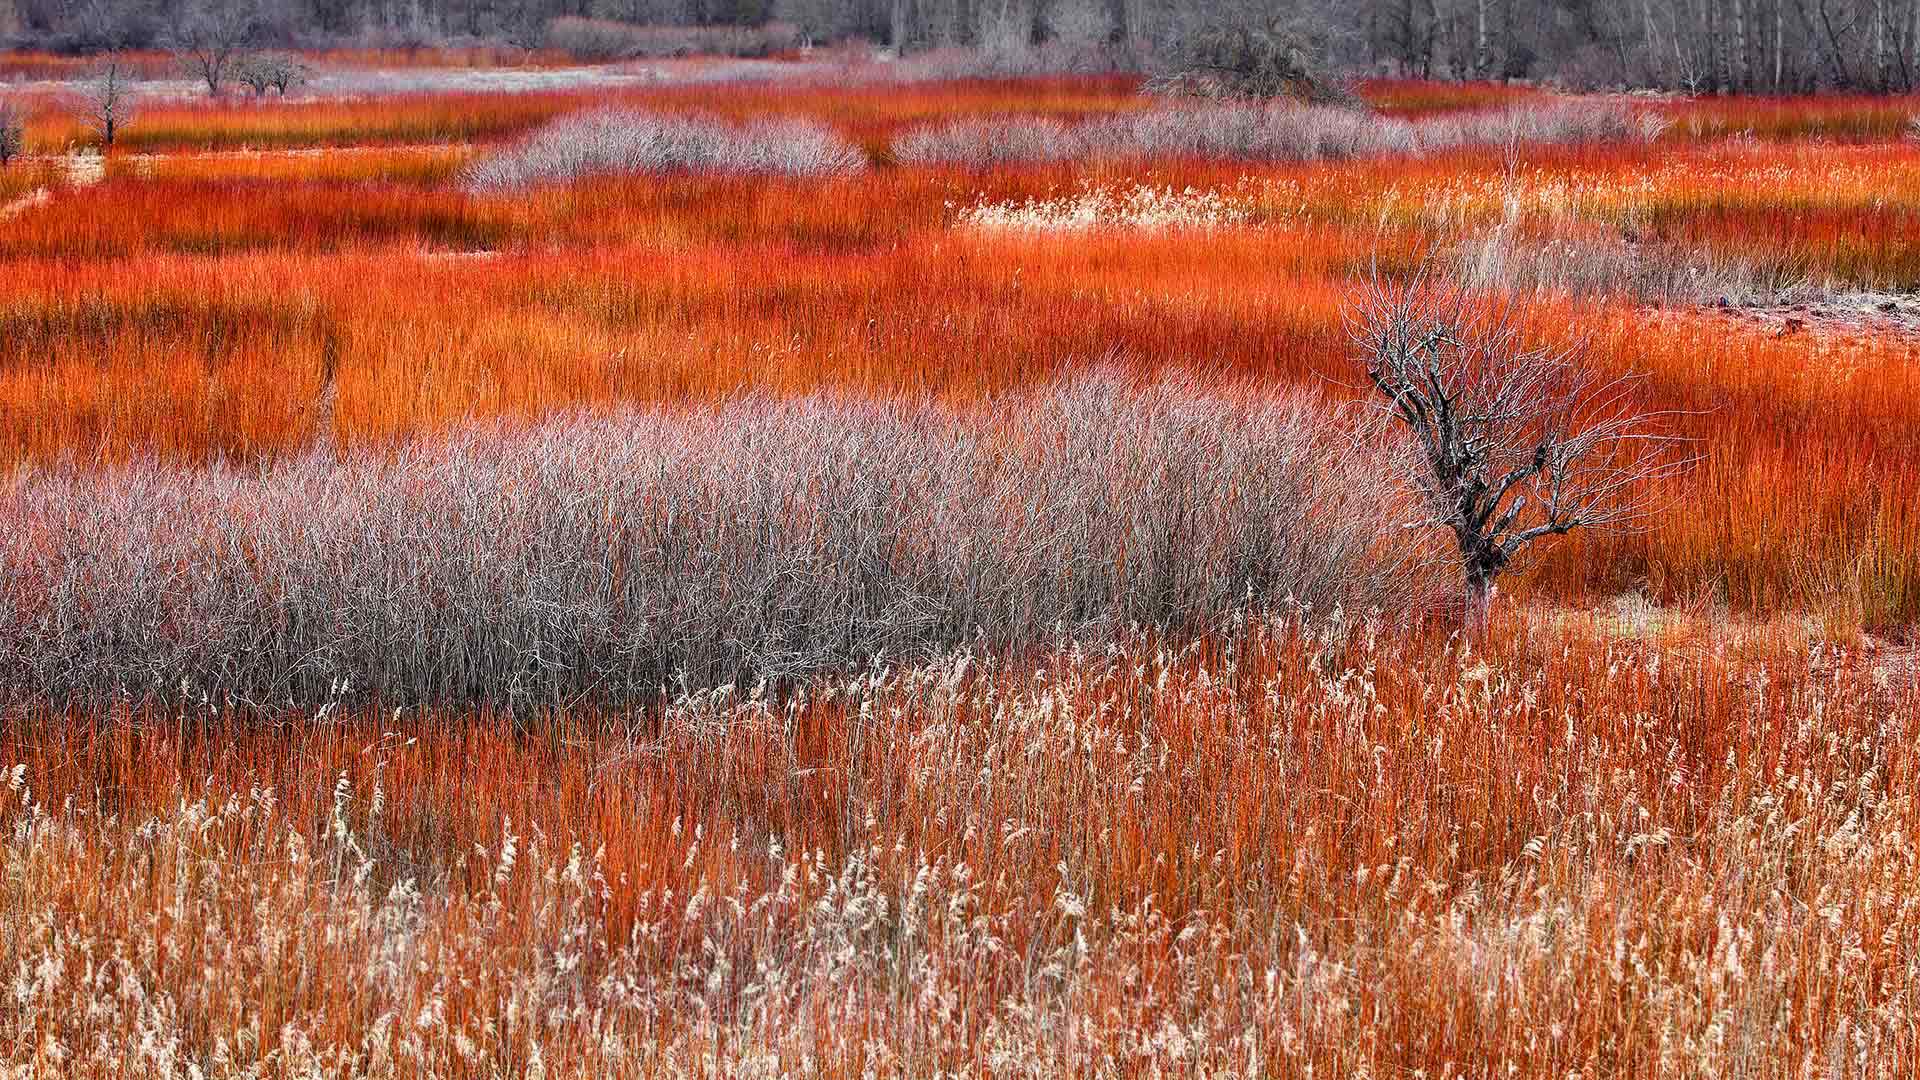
{"x":1479,"y":603}
{"x":1510,"y":444}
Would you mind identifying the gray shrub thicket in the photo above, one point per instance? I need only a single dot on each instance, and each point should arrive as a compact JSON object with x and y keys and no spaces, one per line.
{"x":599,"y":558}
{"x":1262,"y":132}
{"x":615,"y":141}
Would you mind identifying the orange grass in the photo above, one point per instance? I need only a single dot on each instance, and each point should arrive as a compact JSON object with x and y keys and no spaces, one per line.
{"x":1607,"y":846}
{"x":235,"y":122}
{"x":869,"y":109}
{"x":1856,"y":117}
{"x":871,"y":112}
{"x":194,"y":304}
{"x":423,"y":165}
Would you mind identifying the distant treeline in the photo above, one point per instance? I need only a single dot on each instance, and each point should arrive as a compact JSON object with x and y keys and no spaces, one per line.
{"x":1694,"y":45}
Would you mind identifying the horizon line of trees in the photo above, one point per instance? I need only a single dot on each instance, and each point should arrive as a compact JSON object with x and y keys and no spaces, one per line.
{"x":1701,"y":46}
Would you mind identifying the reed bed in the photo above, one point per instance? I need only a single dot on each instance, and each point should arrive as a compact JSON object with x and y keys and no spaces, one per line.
{"x":1294,"y":845}
{"x":202,"y":319}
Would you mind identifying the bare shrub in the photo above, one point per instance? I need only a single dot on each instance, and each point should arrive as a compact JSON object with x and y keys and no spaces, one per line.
{"x":1504,"y":259}
{"x":105,"y":101}
{"x":603,"y":558}
{"x":1272,"y":131}
{"x":606,"y":142}
{"x":209,"y":37}
{"x":263,"y":71}
{"x":1517,"y":443}
{"x":13,"y":129}
{"x":1556,"y":123}
{"x":1267,"y":62}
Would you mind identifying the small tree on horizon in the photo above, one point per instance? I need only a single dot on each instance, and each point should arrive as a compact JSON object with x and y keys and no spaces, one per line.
{"x":13,"y":130}
{"x":1254,"y":60}
{"x":105,"y":104}
{"x":263,"y":71}
{"x":1512,"y":443}
{"x":210,"y":36}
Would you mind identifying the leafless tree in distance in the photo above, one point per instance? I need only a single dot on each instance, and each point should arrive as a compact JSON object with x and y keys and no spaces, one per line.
{"x":1512,"y":443}
{"x":106,"y":101}
{"x":211,"y":36}
{"x":263,"y":71}
{"x":12,"y":132}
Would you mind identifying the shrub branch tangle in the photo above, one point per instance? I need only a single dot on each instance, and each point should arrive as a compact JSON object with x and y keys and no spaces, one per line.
{"x":1516,"y":443}
{"x":12,"y":132}
{"x":610,"y":142}
{"x":1262,"y":132}
{"x":600,"y":559}
{"x":105,"y":104}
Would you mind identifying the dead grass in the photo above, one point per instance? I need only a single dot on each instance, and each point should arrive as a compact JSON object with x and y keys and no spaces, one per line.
{"x":1283,"y":848}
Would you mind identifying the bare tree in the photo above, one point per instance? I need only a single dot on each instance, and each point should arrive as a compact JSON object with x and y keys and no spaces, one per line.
{"x":106,"y":102}
{"x":264,"y":71}
{"x":1280,"y":58}
{"x":12,"y":132}
{"x":210,"y":36}
{"x":1512,"y":443}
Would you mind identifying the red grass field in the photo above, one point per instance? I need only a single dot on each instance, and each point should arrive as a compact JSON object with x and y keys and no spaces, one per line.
{"x":1679,"y":843}
{"x":192,"y":303}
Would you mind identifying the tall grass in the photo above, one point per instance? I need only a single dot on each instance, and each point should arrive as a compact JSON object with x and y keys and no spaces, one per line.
{"x":192,"y":305}
{"x":1287,"y":847}
{"x":868,"y":110}
{"x":603,"y":559}
{"x":833,"y":678}
{"x":1510,"y":258}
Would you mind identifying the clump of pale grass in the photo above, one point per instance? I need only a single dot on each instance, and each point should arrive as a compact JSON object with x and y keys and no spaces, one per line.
{"x":1272,"y":132}
{"x":1505,"y":259}
{"x":1560,"y":123}
{"x":1142,"y":207}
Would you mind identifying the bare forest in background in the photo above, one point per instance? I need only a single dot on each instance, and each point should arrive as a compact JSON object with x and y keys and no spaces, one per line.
{"x":1697,"y":46}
